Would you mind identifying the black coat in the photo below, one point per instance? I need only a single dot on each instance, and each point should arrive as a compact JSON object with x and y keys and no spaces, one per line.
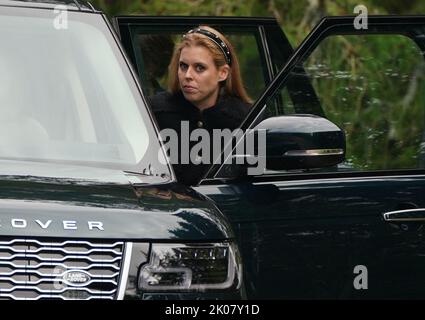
{"x":170,"y":110}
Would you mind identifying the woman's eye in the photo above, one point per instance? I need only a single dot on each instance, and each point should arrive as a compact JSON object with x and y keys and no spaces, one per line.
{"x":200,"y":68}
{"x":183,"y":66}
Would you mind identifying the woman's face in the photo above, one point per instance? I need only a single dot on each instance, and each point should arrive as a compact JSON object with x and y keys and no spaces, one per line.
{"x":199,"y":77}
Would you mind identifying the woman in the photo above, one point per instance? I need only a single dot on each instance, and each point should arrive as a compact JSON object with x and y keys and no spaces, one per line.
{"x":205,"y":90}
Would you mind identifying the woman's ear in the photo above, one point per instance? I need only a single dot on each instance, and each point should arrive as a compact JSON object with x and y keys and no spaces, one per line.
{"x":223,"y":72}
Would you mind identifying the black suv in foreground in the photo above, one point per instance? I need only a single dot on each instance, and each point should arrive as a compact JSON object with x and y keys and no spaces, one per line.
{"x":90,"y":207}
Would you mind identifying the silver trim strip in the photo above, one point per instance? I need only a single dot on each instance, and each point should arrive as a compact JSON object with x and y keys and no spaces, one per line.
{"x":388,"y":215}
{"x":126,"y":267}
{"x":313,"y":152}
{"x":338,"y":180}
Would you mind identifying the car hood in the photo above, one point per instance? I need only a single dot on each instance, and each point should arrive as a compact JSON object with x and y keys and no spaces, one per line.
{"x":62,"y":201}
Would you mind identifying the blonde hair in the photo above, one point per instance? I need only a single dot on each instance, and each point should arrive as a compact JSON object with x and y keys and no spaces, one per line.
{"x":233,"y":85}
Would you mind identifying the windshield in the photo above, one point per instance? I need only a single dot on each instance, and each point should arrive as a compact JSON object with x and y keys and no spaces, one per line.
{"x":66,"y":93}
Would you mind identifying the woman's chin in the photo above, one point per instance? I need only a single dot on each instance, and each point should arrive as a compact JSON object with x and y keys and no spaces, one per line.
{"x":190,"y":97}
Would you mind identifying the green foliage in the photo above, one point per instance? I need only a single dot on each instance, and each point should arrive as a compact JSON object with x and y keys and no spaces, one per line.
{"x":371,"y":87}
{"x":178,"y":7}
{"x":296,"y":17}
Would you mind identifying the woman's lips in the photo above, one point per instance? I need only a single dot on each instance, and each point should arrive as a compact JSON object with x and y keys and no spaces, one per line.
{"x":189,"y":89}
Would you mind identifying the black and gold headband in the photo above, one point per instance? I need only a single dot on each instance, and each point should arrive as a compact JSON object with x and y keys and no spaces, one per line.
{"x":216,"y":39}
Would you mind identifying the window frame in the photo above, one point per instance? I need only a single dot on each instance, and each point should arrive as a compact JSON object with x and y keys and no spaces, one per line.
{"x":265,"y":31}
{"x":328,"y":26}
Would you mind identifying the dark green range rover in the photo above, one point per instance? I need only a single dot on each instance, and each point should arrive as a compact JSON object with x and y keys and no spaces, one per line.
{"x":89,"y":204}
{"x":88,"y":209}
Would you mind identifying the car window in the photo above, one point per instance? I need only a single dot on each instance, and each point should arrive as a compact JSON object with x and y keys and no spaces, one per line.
{"x":372,"y":87}
{"x":153,"y":50}
{"x":67,"y":95}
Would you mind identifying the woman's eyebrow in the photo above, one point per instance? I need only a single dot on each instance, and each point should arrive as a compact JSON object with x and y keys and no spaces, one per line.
{"x":193,"y":62}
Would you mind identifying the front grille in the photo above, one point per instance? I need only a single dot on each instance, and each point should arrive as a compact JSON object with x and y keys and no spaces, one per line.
{"x":68,"y":270}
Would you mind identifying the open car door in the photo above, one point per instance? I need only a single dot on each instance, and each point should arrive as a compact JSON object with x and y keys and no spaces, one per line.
{"x":351,"y":230}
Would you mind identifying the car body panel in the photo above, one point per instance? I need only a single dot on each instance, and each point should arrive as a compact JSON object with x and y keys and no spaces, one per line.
{"x":128,"y":206}
{"x":303,"y":238}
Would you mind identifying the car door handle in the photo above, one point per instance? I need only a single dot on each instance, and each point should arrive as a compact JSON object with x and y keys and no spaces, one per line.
{"x":405,"y":215}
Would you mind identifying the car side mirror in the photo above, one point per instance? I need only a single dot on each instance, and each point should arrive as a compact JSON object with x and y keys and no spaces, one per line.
{"x":302,"y":142}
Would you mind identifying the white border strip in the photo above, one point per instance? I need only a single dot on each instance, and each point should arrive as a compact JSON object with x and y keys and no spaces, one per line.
{"x":125,"y":269}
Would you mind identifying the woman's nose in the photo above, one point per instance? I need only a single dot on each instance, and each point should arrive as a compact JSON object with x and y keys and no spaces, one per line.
{"x":188,"y":73}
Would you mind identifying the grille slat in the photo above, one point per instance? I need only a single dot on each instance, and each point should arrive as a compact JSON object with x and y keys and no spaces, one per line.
{"x":31,"y":269}
{"x":35,"y":288}
{"x":46,"y":275}
{"x":60,"y":244}
{"x":49,"y":264}
{"x":58,"y":297}
{"x":53,"y":249}
{"x":24,"y":255}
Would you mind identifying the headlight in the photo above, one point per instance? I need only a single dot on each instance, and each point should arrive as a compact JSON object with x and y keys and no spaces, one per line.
{"x":191,"y":267}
